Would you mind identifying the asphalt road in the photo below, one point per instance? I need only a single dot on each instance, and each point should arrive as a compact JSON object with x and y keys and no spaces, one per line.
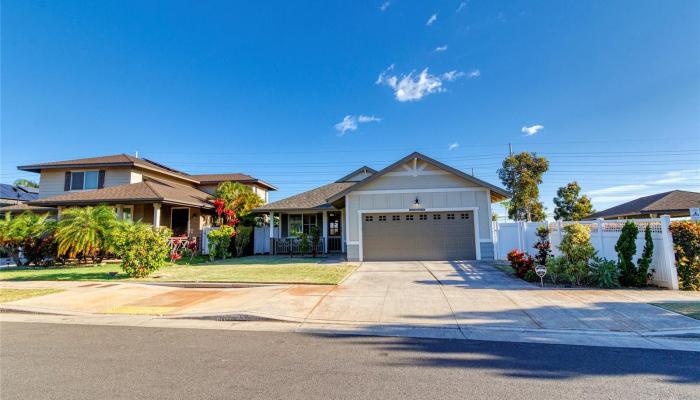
{"x":52,"y":361}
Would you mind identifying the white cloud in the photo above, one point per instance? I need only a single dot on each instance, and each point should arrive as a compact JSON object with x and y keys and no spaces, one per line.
{"x":350,"y":123}
{"x":617,"y":189}
{"x":414,"y":87}
{"x":440,"y":49}
{"x":474,"y":74}
{"x":453,"y":146}
{"x":431,"y":20}
{"x":531,"y":130}
{"x":384,"y":6}
{"x":462,"y":6}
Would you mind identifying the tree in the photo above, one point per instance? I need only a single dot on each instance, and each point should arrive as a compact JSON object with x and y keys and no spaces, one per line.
{"x":520,"y":174}
{"x":644,"y":263}
{"x":85,"y":231}
{"x":141,"y":248}
{"x":27,"y":183}
{"x":686,"y":243}
{"x":626,"y":248}
{"x":570,"y":206}
{"x":26,"y":231}
{"x":238,"y":198}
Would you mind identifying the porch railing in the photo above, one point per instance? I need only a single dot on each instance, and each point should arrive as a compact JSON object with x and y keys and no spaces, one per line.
{"x":291,"y":245}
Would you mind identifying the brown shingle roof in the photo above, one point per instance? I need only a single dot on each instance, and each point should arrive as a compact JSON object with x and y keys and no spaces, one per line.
{"x":22,"y":207}
{"x":234,"y":177}
{"x":667,"y":202}
{"x":142,"y":192}
{"x":310,"y":200}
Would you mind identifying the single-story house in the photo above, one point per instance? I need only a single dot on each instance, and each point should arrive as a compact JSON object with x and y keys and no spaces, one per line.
{"x":676,"y":203}
{"x":138,"y":188}
{"x":415,"y":209}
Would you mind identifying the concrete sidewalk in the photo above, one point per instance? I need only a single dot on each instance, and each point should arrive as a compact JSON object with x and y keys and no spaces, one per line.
{"x":447,"y":297}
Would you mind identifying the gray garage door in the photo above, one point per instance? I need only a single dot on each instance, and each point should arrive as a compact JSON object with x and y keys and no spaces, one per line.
{"x":418,"y":236}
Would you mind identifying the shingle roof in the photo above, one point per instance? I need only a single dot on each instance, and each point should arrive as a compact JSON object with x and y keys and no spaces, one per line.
{"x":22,"y":207}
{"x":147,"y":191}
{"x":667,"y":202}
{"x":234,"y":177}
{"x":314,"y":199}
{"x":18,"y":193}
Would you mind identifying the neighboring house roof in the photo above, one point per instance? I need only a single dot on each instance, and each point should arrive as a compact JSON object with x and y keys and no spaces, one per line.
{"x":675,"y":201}
{"x":314,"y":199}
{"x":22,"y":207}
{"x":142,"y":192}
{"x":16,"y":193}
{"x":362,"y":169}
{"x":501,"y":193}
{"x":232,"y":177}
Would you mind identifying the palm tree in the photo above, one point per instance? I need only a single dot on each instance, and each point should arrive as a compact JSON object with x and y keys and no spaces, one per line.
{"x":238,"y":197}
{"x":15,"y":232}
{"x":85,"y":231}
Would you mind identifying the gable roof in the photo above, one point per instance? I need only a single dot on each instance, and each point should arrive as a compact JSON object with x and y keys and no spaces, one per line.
{"x":233,"y":177}
{"x":362,"y":169}
{"x":666,"y":202}
{"x":18,"y":193}
{"x":314,"y":199}
{"x":495,"y":189}
{"x":143,"y":192}
{"x":116,"y":160}
{"x":22,"y":207}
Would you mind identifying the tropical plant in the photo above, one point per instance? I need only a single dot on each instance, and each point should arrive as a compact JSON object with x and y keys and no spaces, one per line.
{"x":26,"y":183}
{"x":521,"y":174}
{"x":520,"y":262}
{"x":555,"y":268}
{"x":304,"y":243}
{"x":29,"y":232}
{"x":576,"y":272}
{"x":644,"y":263}
{"x":686,"y":242}
{"x":626,"y":248}
{"x":220,"y":241}
{"x":85,"y":232}
{"x":570,"y":205}
{"x":604,"y":273}
{"x":315,"y":240}
{"x":242,"y":239}
{"x":141,"y":248}
{"x":238,"y":198}
{"x":543,"y":246}
{"x":576,"y":244}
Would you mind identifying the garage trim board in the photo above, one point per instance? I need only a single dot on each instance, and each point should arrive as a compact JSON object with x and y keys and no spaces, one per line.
{"x":475,"y":219}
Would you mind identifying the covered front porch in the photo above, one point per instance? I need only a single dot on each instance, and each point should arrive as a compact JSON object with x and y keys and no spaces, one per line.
{"x":289,"y":226}
{"x":182,"y":220}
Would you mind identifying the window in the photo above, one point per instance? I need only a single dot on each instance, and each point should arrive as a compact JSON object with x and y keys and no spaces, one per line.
{"x":309,"y":221}
{"x":128,"y":213}
{"x":423,"y":217}
{"x":437,"y":216}
{"x":83,"y":180}
{"x":450,"y":216}
{"x":464,"y":216}
{"x":369,"y":218}
{"x":395,"y":218}
{"x":295,"y":225}
{"x":409,"y":218}
{"x":382,"y":218}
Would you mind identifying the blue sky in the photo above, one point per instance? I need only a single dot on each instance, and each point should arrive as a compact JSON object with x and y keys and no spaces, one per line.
{"x":300,"y":93}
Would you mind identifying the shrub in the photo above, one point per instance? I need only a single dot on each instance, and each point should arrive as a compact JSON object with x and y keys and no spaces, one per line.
{"x":521,"y":262}
{"x":142,"y":248}
{"x":242,"y":239}
{"x":686,"y":242}
{"x":576,"y":272}
{"x":604,"y":273}
{"x":219,"y":242}
{"x":303,"y":243}
{"x":576,"y":244}
{"x":543,"y":246}
{"x":85,"y":231}
{"x":29,"y":232}
{"x":315,"y":240}
{"x":643,"y":264}
{"x":626,"y":248}
{"x":555,"y":268}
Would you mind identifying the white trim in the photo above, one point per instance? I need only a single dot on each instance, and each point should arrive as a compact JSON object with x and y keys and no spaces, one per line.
{"x":131,"y":211}
{"x":474,"y":210}
{"x":419,"y":172}
{"x":387,"y":191}
{"x":484,"y":240}
{"x":188,"y":217}
{"x":354,"y":242}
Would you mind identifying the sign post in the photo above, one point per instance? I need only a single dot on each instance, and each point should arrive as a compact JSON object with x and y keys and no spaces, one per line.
{"x":541,"y":271}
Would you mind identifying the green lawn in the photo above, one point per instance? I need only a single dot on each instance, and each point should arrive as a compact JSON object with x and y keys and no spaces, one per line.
{"x":689,"y":309}
{"x":257,"y":269}
{"x":8,"y":295}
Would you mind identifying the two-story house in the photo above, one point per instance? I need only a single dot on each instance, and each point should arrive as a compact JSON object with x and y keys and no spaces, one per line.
{"x":138,"y":188}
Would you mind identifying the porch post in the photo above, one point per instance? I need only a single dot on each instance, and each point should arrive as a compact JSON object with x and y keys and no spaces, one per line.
{"x":343,"y":228}
{"x":156,"y":215}
{"x":272,"y":233}
{"x":120,"y":212}
{"x":325,"y":231}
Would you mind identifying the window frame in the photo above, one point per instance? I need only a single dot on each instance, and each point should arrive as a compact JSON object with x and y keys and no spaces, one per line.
{"x":84,"y":182}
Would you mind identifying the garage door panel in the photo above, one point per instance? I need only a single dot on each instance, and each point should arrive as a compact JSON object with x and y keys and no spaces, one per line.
{"x":418,"y":236}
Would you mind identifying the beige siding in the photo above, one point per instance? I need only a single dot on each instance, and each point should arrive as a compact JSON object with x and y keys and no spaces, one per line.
{"x":418,"y":182}
{"x":163,"y":177}
{"x":262,"y":193}
{"x":51,"y":181}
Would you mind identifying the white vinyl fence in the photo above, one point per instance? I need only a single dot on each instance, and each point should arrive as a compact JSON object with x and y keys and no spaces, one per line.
{"x":604,"y":236}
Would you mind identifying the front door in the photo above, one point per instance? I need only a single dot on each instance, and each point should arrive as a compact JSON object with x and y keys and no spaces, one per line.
{"x":180,"y":221}
{"x":334,"y":235}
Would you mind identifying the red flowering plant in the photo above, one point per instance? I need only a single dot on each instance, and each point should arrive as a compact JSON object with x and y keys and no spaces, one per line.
{"x":521,"y":262}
